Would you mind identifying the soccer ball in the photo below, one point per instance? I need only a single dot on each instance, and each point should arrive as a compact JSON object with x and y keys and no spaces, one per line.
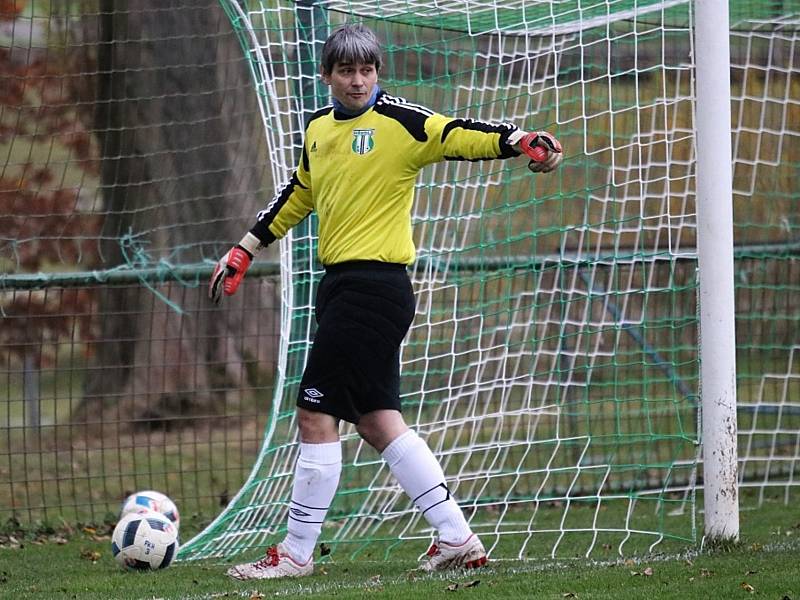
{"x":144,"y":541}
{"x":150,"y":500}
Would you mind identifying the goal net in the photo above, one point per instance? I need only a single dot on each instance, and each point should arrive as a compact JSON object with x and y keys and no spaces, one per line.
{"x":553,"y":362}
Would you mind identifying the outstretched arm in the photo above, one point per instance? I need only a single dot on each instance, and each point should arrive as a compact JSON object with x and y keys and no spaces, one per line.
{"x":467,"y":139}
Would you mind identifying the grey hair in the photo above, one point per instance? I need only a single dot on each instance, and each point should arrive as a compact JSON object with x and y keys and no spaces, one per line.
{"x":351,"y":44}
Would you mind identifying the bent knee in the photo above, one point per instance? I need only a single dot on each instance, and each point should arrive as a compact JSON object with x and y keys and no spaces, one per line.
{"x":381,"y":427}
{"x":317,"y":427}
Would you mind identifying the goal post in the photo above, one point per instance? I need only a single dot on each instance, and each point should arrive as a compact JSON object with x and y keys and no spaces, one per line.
{"x":715,"y":263}
{"x":554,"y":363}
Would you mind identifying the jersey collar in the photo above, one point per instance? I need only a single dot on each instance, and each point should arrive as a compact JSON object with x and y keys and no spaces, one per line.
{"x":342,"y":113}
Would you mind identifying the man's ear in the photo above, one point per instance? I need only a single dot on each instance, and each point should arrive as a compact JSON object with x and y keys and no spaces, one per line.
{"x":326,"y":77}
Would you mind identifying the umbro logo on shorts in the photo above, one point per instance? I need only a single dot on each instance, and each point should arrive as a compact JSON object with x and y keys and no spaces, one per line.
{"x":312,"y":395}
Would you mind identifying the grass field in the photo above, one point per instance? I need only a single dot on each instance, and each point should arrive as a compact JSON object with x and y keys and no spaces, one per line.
{"x":78,"y":564}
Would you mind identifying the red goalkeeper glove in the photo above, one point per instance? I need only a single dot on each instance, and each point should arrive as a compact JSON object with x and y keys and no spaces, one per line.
{"x":543,"y":149}
{"x":230,"y":269}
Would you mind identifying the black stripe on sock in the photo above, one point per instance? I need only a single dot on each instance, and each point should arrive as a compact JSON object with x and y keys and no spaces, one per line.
{"x":437,"y":486}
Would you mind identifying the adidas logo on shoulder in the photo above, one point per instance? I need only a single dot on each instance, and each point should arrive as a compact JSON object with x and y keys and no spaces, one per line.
{"x":390,"y":100}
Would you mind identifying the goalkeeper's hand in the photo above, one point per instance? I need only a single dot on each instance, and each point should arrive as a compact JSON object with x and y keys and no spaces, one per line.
{"x":543,"y":149}
{"x":230,"y":269}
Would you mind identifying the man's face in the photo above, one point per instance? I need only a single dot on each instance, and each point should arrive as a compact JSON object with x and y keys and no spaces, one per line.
{"x":352,"y":84}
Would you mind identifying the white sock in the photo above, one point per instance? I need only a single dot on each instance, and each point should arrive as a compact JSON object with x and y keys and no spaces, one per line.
{"x":316,"y":477}
{"x":422,"y":478}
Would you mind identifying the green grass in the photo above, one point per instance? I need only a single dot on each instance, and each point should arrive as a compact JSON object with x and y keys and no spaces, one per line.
{"x":764,"y":564}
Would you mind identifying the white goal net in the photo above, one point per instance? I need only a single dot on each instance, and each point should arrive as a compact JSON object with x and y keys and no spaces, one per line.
{"x":553,"y":363}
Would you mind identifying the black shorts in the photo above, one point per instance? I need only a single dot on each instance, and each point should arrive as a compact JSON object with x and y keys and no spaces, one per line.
{"x":363,"y":312}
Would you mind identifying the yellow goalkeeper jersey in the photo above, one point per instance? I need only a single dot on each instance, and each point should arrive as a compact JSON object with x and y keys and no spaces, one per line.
{"x":358,"y":174}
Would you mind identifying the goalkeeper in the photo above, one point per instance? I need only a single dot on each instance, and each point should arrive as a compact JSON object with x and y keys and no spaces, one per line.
{"x":359,"y":163}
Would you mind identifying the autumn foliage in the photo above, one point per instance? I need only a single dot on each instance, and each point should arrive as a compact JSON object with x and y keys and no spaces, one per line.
{"x":9,"y":9}
{"x":48,"y":164}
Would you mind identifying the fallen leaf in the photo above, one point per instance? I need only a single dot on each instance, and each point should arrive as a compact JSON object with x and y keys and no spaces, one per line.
{"x":324,"y":549}
{"x":92,"y":555}
{"x":256,"y":595}
{"x":374,"y":583}
{"x":706,"y":573}
{"x":648,"y":572}
{"x":747,"y":587}
{"x":569,"y":595}
{"x":451,"y":588}
{"x":472,"y":583}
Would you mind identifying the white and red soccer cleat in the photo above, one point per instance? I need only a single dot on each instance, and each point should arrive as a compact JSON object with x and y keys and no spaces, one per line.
{"x":277,"y":563}
{"x":443,"y":556}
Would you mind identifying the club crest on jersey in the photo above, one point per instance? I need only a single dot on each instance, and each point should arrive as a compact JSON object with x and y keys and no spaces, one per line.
{"x":362,"y":140}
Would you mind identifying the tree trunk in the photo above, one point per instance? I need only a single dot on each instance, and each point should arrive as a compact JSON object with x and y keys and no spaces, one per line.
{"x":183,"y":175}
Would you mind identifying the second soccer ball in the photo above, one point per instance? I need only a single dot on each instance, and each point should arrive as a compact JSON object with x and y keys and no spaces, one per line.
{"x":151,"y":500}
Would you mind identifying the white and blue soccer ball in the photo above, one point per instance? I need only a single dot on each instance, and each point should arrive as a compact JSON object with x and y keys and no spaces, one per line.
{"x":151,"y":500}
{"x":144,"y":541}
